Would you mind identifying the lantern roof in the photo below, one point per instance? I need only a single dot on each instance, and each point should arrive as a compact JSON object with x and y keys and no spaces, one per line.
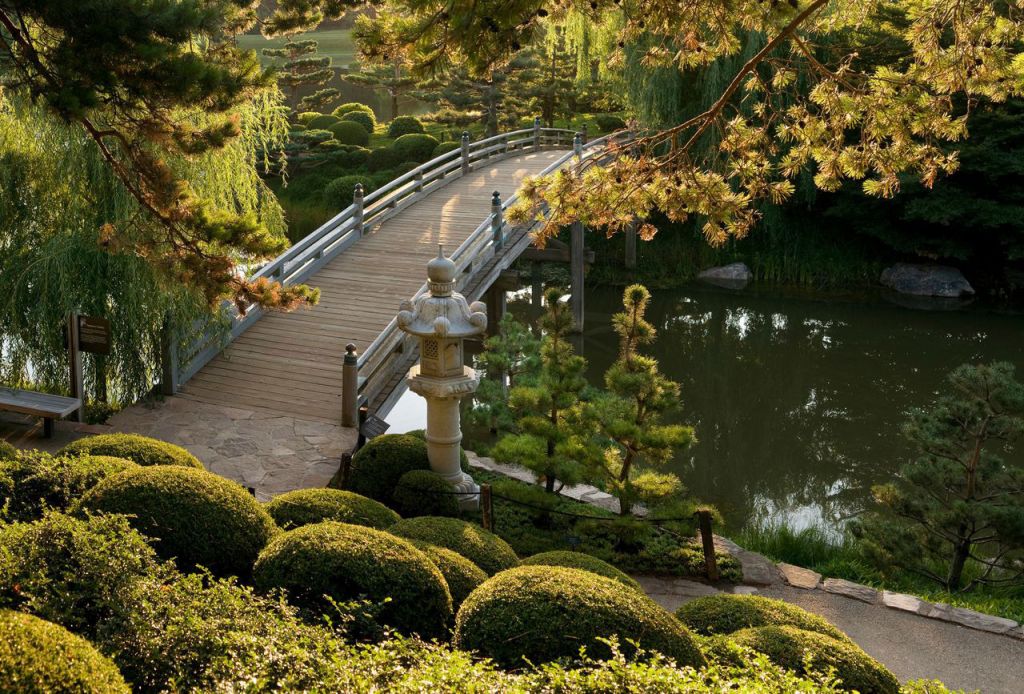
{"x":442,"y":312}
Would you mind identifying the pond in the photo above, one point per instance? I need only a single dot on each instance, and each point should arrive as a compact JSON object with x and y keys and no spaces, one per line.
{"x":797,"y":400}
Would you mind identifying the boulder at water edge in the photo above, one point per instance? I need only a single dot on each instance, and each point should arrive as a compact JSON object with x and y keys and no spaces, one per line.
{"x":732,"y":276}
{"x":927,"y":280}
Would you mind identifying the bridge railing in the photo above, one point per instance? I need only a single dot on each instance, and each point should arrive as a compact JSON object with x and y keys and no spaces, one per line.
{"x":208,"y":338}
{"x":377,"y":362}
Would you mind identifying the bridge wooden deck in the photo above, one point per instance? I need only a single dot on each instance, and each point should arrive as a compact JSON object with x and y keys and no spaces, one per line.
{"x":290,"y":363}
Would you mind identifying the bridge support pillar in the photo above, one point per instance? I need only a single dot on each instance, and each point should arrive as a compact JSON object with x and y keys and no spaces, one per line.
{"x":496,"y":307}
{"x":536,"y":285}
{"x":577,"y":265}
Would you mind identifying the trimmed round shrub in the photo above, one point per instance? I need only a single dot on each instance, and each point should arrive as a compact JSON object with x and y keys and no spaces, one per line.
{"x":350,"y":133}
{"x":193,"y":516}
{"x":403,"y":125}
{"x":378,"y":465}
{"x":322,"y":122}
{"x":312,"y":138}
{"x":444,"y":148}
{"x":306,"y":116}
{"x":138,"y":449}
{"x":367,"y":120}
{"x":296,"y":128}
{"x":583,"y":562}
{"x":415,"y":147}
{"x":424,"y":493}
{"x":7,"y":451}
{"x":330,"y":146}
{"x":339,"y":192}
{"x":544,"y":613}
{"x":609,"y":121}
{"x":352,"y":107}
{"x":788,"y":646}
{"x":461,"y":575}
{"x":39,"y":656}
{"x":382,"y":159}
{"x":308,"y":506}
{"x":485,"y":549}
{"x":59,"y":482}
{"x":724,"y":614}
{"x":345,"y":561}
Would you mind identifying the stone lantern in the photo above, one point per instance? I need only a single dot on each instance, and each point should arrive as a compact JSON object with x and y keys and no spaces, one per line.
{"x":442,"y":320}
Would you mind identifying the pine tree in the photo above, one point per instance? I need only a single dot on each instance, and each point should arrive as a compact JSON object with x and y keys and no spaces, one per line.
{"x":510,"y":359}
{"x":956,"y":513}
{"x":548,"y":410}
{"x":302,"y":67}
{"x":630,"y":414}
{"x":392,"y":77}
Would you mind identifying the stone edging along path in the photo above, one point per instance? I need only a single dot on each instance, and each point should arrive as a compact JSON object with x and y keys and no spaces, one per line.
{"x":758,"y":570}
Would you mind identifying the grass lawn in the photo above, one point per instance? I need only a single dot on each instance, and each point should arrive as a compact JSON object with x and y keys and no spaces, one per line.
{"x":335,"y":43}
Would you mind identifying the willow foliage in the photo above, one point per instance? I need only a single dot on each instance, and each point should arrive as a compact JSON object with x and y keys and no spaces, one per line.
{"x":57,"y":198}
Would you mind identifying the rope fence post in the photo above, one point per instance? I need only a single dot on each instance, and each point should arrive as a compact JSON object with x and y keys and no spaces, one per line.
{"x":357,"y":200}
{"x":465,"y":151}
{"x":486,"y":507}
{"x":496,"y":221}
{"x":708,"y":541}
{"x":349,"y":386}
{"x":364,"y":412}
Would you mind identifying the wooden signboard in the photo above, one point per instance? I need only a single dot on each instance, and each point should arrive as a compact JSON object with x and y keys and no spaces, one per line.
{"x":94,"y":335}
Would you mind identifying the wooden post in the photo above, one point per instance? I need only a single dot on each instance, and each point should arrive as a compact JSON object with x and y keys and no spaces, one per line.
{"x":419,"y":182}
{"x":708,"y":541}
{"x":631,"y":245}
{"x":577,"y":259}
{"x":346,"y":469}
{"x":364,"y":412}
{"x":536,"y":132}
{"x":465,"y":152}
{"x":497,"y":222}
{"x":486,"y":507}
{"x":577,"y":145}
{"x":168,"y":359}
{"x":357,"y":200}
{"x":75,"y":363}
{"x":349,"y":386}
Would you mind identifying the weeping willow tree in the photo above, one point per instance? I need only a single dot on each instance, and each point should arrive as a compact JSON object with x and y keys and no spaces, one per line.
{"x":58,"y":198}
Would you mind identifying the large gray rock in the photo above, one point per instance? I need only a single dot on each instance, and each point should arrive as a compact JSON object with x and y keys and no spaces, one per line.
{"x":850,"y":589}
{"x":927,"y":280}
{"x":799,"y":577}
{"x":732,"y":276}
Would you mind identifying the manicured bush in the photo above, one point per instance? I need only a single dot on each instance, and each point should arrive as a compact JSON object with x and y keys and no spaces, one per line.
{"x":345,"y":562}
{"x":339,"y":192}
{"x":306,"y":116}
{"x":308,"y":506}
{"x":461,"y":575}
{"x":404,"y":168}
{"x":330,"y":146}
{"x":367,"y":120}
{"x":445,"y":147}
{"x":608,"y":122}
{"x":297,"y":128}
{"x":350,"y":133}
{"x":313,"y":137}
{"x":415,"y":147}
{"x":378,"y":465}
{"x":788,"y":646}
{"x":485,"y":549}
{"x":382,"y":159}
{"x":322,"y":122}
{"x":403,"y":125}
{"x":7,"y":451}
{"x":424,"y":493}
{"x":352,"y":107}
{"x":196,"y":517}
{"x":544,"y":613}
{"x":724,"y":614}
{"x":138,"y":449}
{"x":584,"y":562}
{"x":59,"y":482}
{"x":38,"y":656}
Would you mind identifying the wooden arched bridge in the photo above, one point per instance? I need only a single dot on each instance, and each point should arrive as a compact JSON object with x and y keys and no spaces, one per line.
{"x":365,"y":261}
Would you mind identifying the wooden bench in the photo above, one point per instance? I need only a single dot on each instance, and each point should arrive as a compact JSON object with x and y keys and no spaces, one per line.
{"x":45,"y":405}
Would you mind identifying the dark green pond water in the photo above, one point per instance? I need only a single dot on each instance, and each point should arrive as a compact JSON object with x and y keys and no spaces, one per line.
{"x":796,"y":401}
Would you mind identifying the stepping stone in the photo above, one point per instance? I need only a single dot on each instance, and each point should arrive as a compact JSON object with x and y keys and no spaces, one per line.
{"x":799,"y":577}
{"x":850,"y":589}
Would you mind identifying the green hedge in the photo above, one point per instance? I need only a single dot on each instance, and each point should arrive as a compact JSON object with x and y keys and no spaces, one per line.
{"x":404,"y":125}
{"x":314,"y":137}
{"x":545,"y":613}
{"x":724,"y":614}
{"x":139,"y":449}
{"x":367,"y":120}
{"x":37,"y":656}
{"x":416,"y":147}
{"x":486,"y":550}
{"x":322,"y":122}
{"x":7,"y":451}
{"x":445,"y":147}
{"x":308,"y":506}
{"x":352,"y":107}
{"x":306,"y":116}
{"x":382,"y":159}
{"x":349,"y":132}
{"x":346,"y":562}
{"x":378,"y":465}
{"x":584,"y":562}
{"x":339,"y":193}
{"x":609,"y":121}
{"x":57,"y":483}
{"x":789,"y":646}
{"x":196,"y":517}
{"x":424,"y":493}
{"x":461,"y":575}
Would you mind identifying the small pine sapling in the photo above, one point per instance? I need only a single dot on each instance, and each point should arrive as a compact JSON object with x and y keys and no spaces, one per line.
{"x":510,"y":359}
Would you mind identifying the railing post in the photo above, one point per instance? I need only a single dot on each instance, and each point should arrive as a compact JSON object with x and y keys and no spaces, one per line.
{"x":497,"y":222}
{"x":536,"y":132}
{"x":465,"y":152}
{"x":168,"y":359}
{"x":349,"y":386}
{"x":577,"y":145}
{"x":419,"y":182}
{"x":357,"y":200}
